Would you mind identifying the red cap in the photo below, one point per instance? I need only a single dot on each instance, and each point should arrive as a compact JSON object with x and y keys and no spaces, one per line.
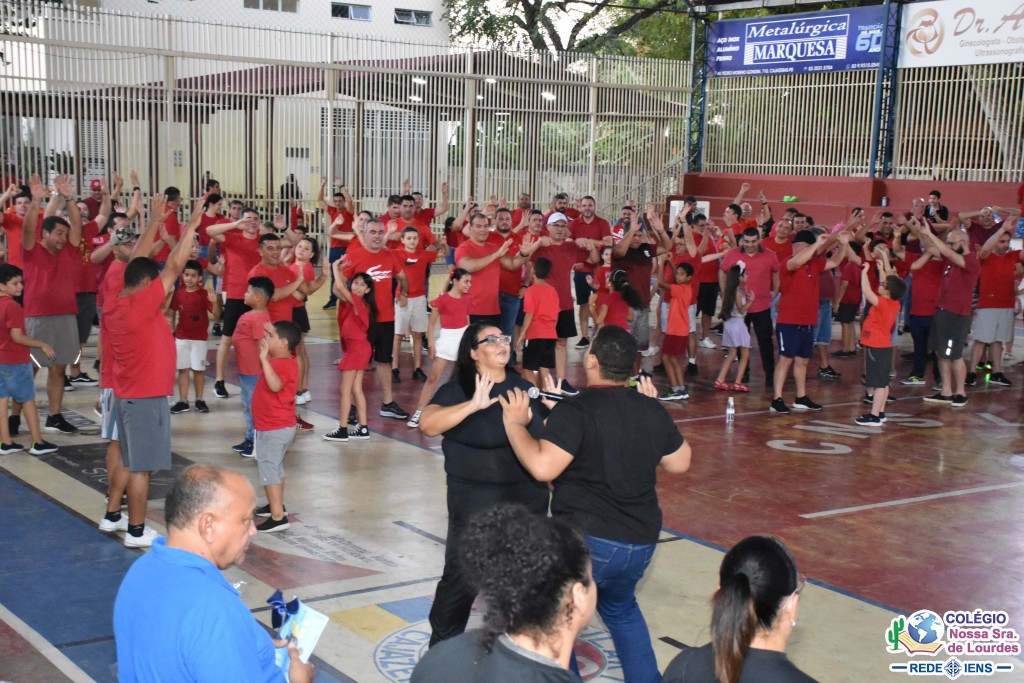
{"x":96,"y":185}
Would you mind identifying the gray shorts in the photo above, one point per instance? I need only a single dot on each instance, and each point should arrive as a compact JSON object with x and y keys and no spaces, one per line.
{"x":993,"y":325}
{"x":86,"y":313}
{"x":270,"y":449}
{"x":640,"y":327}
{"x":145,"y":428}
{"x":60,"y":332}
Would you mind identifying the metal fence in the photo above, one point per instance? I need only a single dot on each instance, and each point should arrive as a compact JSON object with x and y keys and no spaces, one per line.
{"x":87,"y":92}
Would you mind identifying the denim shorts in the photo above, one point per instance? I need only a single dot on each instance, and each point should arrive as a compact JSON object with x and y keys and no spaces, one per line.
{"x":16,"y":382}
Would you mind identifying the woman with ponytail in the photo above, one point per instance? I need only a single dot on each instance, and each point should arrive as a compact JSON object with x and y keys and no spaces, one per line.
{"x":753,"y":613}
{"x":534,"y":573}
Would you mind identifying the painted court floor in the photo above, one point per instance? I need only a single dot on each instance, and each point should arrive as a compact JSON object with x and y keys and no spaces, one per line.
{"x":925,"y":514}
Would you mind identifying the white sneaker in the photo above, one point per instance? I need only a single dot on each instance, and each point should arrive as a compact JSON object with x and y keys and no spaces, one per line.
{"x":651,"y":351}
{"x":306,"y":396}
{"x":414,"y":421}
{"x":110,"y":527}
{"x":706,"y":343}
{"x":143,"y":541}
{"x":301,"y":400}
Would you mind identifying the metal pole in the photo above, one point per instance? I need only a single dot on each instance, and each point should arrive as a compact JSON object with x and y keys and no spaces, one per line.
{"x":876,"y":114}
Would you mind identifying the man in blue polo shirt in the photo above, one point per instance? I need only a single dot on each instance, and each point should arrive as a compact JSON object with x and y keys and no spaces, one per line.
{"x":176,"y":618}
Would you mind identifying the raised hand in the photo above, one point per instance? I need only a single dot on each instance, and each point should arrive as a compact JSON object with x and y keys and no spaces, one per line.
{"x":515,"y":408}
{"x":482,"y":395}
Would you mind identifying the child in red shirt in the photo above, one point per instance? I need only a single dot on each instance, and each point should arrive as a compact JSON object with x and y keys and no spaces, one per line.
{"x":876,"y":338}
{"x":541,"y":308}
{"x":675,"y":345}
{"x":412,"y":317}
{"x":249,"y":330}
{"x":191,"y":304}
{"x":273,"y":414}
{"x":357,"y":314}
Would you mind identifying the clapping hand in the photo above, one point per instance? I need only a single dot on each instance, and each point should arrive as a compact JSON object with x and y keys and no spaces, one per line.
{"x":482,"y":395}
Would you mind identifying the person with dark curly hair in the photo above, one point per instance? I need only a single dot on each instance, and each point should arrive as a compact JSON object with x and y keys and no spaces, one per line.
{"x":604,"y":480}
{"x":534,"y":573}
{"x":753,"y":613}
{"x":480,"y":467}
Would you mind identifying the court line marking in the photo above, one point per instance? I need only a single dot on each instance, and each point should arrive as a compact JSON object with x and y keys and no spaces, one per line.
{"x":421,"y":532}
{"x":807,"y":413}
{"x":43,"y":646}
{"x":915,"y":499}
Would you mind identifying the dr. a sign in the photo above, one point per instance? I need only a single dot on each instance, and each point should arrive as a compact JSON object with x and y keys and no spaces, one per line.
{"x":797,"y":43}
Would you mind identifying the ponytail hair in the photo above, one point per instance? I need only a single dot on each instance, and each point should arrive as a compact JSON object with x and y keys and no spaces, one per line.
{"x":732,"y":283}
{"x":370,"y":299}
{"x":620,"y":283}
{"x":755,"y":578}
{"x":457,"y":274}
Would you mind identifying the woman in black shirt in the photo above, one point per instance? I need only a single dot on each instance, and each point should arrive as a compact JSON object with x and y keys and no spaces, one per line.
{"x":481,"y":468}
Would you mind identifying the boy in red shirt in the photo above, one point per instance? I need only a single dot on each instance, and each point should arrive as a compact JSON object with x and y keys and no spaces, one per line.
{"x":412,"y":317}
{"x":16,"y":381}
{"x":876,"y":338}
{"x":273,"y":415}
{"x":250,"y":329}
{"x":191,"y":304}
{"x":541,"y":309}
{"x":675,"y":345}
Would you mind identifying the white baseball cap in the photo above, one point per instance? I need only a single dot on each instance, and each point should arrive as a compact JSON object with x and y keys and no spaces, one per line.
{"x":556,"y":217}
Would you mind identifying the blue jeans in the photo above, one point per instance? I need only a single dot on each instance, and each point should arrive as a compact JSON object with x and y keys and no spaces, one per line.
{"x":510,"y":306}
{"x":617,"y":569}
{"x":248,"y":385}
{"x":333,"y":255}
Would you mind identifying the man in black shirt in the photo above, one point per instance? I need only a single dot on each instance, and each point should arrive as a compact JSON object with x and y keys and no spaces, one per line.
{"x":604,"y":481}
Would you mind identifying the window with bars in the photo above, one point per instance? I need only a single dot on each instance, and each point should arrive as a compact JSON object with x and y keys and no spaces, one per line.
{"x":273,"y":5}
{"x":413,"y":17}
{"x":344,"y":10}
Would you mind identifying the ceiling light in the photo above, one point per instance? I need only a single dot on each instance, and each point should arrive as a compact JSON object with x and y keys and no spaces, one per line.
{"x":415,"y":98}
{"x":550,"y":97}
{"x":419,"y":81}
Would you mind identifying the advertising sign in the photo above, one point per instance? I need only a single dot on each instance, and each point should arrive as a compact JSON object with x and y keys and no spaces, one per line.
{"x":839,"y":40}
{"x":960,"y":32}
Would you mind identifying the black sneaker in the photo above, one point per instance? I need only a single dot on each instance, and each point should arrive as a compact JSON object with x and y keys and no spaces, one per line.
{"x":217,"y":330}
{"x":939,"y":398}
{"x":868,"y":398}
{"x":339,"y":434}
{"x":201,"y":406}
{"x":418,"y":374}
{"x":583,"y":343}
{"x":971,"y":379}
{"x":8,"y":448}
{"x":828,"y":373}
{"x":13,"y":424}
{"x":179,"y":407}
{"x":779,"y":406}
{"x":393,"y":410}
{"x":42,"y":448}
{"x":330,"y":305}
{"x":805,"y":403}
{"x":248,"y":451}
{"x":869,"y":420}
{"x":882,"y":417}
{"x":691,"y":369}
{"x":96,"y":365}
{"x":425,"y":345}
{"x":57,"y":423}
{"x":270,"y":525}
{"x":959,"y":401}
{"x":352,"y":419}
{"x":999,"y":379}
{"x":68,"y":386}
{"x":570,"y":390}
{"x":83,"y":380}
{"x":396,"y":377}
{"x":265,"y":511}
{"x":239,"y":447}
{"x":361,"y":432}
{"x":219,"y":390}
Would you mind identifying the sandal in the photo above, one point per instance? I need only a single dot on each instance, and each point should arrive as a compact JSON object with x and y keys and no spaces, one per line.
{"x":722,"y":386}
{"x":740,"y":387}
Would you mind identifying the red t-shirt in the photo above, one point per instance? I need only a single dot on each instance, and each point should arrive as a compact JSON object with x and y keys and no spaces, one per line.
{"x":111,"y":285}
{"x":251,"y":328}
{"x":11,"y":317}
{"x":851,"y":273}
{"x":142,"y":352}
{"x":597,"y":229}
{"x":381,"y":266}
{"x":281,"y":276}
{"x":679,"y":310}
{"x":996,"y":288}
{"x":353,"y":319}
{"x":957,"y":286}
{"x":484,"y":294}
{"x":308,"y":274}
{"x":798,"y":304}
{"x":617,"y":314}
{"x":48,"y":289}
{"x":193,"y":309}
{"x":708,"y":272}
{"x":87,"y":270}
{"x":276,"y":409}
{"x":568,"y":212}
{"x":427,"y":237}
{"x":876,"y":331}
{"x":926,"y":288}
{"x":510,"y":281}
{"x":541,"y":300}
{"x":563,"y":257}
{"x":425,"y":215}
{"x":241,"y":254}
{"x":207,"y":221}
{"x":637,"y":263}
{"x":332,"y":213}
{"x":173,"y":226}
{"x":13,"y":224}
{"x":600,"y":278}
{"x":415,"y":265}
{"x":760,"y":269}
{"x":452,"y":311}
{"x":784,"y":251}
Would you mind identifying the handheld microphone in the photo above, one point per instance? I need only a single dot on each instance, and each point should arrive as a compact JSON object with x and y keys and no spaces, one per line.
{"x":534,"y":392}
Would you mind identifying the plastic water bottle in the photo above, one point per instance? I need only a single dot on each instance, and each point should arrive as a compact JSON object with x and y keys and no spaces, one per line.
{"x":730,"y":411}
{"x":885,"y":201}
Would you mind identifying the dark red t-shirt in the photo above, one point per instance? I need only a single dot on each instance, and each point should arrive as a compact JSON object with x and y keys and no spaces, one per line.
{"x":926,"y":288}
{"x":597,"y":229}
{"x":996,"y":287}
{"x":48,"y":289}
{"x":11,"y":317}
{"x":563,"y":257}
{"x":851,"y":274}
{"x":87,"y":280}
{"x":957,"y":286}
{"x":192,"y":309}
{"x":142,"y":353}
{"x":798,"y":304}
{"x":637,"y":262}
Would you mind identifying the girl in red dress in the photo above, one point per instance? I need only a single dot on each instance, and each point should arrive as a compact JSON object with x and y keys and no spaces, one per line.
{"x":357,"y":313}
